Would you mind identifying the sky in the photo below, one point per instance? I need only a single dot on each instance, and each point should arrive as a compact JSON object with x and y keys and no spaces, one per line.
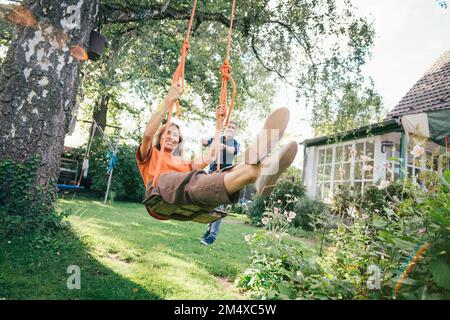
{"x":410,"y":36}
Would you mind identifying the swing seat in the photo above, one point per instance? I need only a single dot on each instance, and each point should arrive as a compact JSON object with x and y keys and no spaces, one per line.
{"x":69,"y":186}
{"x":161,"y":210}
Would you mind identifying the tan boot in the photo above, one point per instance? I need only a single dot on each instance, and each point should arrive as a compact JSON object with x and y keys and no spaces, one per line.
{"x":273,"y":166}
{"x":268,"y":136}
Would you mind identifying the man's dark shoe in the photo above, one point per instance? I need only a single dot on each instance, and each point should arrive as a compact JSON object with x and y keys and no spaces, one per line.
{"x":206,"y":234}
{"x":207,"y":241}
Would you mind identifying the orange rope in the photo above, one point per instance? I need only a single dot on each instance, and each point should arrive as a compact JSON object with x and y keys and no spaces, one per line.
{"x":409,"y":268}
{"x":178,"y":76}
{"x":225,"y":71}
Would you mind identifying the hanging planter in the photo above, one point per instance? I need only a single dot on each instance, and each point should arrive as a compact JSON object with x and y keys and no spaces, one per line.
{"x":97,"y":43}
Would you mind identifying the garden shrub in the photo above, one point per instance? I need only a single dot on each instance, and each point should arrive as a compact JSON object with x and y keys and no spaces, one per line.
{"x":240,"y":208}
{"x":24,"y":208}
{"x":256,"y":209}
{"x":285,"y":191}
{"x":284,"y":196}
{"x":284,"y":271}
{"x":126,"y":182}
{"x":310,"y":213}
{"x":387,"y":237}
{"x":373,"y":199}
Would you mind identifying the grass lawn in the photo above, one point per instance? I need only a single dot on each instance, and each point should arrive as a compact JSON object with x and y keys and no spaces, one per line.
{"x":123,"y":253}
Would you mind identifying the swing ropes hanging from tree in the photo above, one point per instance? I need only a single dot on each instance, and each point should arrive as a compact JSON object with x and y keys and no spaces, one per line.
{"x":154,"y":204}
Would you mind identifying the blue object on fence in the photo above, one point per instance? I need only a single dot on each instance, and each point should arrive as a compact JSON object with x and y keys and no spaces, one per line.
{"x":112,"y":156}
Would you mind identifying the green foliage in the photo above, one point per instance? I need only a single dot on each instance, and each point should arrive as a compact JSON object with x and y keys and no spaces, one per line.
{"x":286,"y":193}
{"x":23,"y":205}
{"x":293,"y":173}
{"x":284,"y":196}
{"x":288,"y":274}
{"x":386,"y":230}
{"x":427,"y":222}
{"x":310,"y":213}
{"x":256,"y":209}
{"x":240,"y":208}
{"x":282,"y":270}
{"x":317,"y":46}
{"x":358,"y":105}
{"x":374,"y":199}
{"x":126,"y":183}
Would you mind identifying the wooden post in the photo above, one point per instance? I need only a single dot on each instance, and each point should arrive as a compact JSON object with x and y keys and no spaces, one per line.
{"x":109,"y":184}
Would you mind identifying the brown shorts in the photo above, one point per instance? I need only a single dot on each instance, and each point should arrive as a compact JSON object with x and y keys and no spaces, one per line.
{"x":195,"y":187}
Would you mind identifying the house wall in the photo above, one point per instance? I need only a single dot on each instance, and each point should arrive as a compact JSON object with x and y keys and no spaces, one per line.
{"x":310,"y":165}
{"x":311,"y":174}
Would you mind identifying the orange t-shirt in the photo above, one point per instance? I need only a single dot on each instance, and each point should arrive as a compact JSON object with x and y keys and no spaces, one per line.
{"x":169,"y":163}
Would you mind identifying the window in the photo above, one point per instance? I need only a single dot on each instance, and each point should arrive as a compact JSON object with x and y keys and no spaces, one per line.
{"x":393,"y":166}
{"x":343,"y":167}
{"x":349,"y":165}
{"x":364,"y":166}
{"x":324,"y":172}
{"x":431,"y":160}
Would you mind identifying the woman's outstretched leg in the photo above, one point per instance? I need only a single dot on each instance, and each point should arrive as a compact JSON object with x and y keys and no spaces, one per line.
{"x":255,"y":156}
{"x":240,"y":176}
{"x":264,"y":175}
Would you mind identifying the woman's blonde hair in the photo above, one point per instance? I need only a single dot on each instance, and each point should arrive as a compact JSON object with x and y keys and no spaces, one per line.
{"x":178,"y":151}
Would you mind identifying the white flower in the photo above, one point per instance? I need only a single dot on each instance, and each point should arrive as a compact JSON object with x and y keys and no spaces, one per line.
{"x":291,"y":214}
{"x":248,"y":237}
{"x":289,"y":220}
{"x":365,"y":158}
{"x":367,"y":167}
{"x":351,"y":212}
{"x":328,"y":200}
{"x":276,"y":210}
{"x":383,"y":185}
{"x":265,"y":221}
{"x":417,"y":151}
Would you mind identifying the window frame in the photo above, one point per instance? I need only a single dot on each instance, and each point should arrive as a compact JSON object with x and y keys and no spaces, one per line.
{"x":321,"y":181}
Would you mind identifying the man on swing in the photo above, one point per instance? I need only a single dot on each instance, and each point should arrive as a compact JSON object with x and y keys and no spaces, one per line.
{"x":184,"y":182}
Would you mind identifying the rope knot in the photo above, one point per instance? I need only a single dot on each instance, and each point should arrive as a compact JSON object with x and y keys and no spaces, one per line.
{"x":186,"y":46}
{"x":226,"y":69}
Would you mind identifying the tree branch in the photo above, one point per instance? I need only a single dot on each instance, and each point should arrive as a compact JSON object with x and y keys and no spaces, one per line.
{"x":116,"y":14}
{"x":302,"y":42}
{"x":258,"y":57}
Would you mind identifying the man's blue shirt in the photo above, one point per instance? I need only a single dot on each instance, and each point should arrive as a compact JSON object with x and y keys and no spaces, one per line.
{"x":227,"y":157}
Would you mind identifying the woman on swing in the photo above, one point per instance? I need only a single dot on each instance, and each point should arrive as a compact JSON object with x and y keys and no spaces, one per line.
{"x":184,"y":182}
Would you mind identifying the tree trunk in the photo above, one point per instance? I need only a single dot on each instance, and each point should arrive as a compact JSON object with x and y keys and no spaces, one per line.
{"x":101,"y":112}
{"x":39,"y":83}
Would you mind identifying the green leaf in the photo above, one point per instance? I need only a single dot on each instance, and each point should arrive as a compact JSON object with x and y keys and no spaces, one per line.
{"x":389,"y":212}
{"x":439,"y":216}
{"x":403,"y":244}
{"x":285,"y":290}
{"x":379,"y":222}
{"x":441,"y":273}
